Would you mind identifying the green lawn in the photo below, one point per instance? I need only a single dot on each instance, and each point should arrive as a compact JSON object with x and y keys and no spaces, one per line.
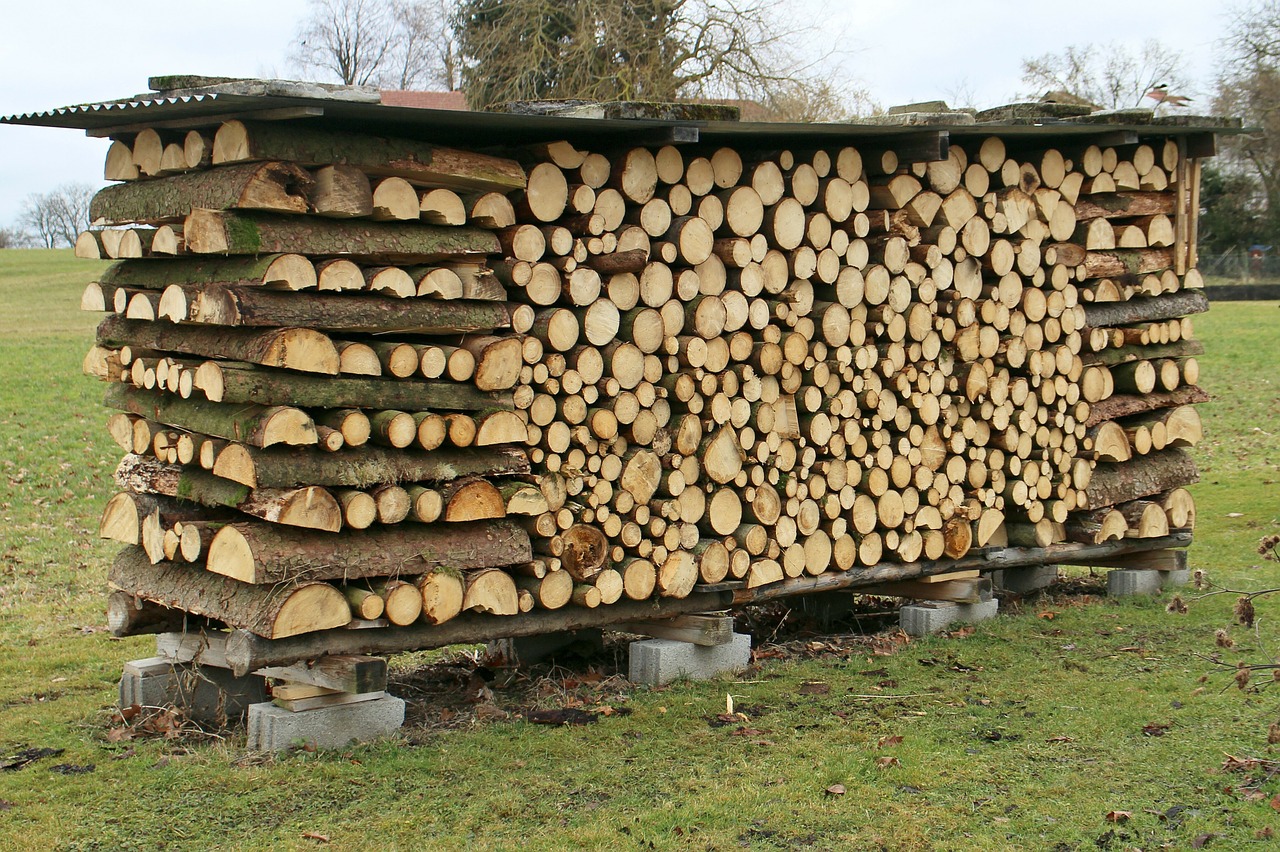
{"x":1024,"y":733}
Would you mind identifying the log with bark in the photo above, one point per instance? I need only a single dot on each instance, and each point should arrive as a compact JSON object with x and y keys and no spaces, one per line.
{"x":263,"y":553}
{"x":255,"y":425}
{"x":219,"y":232}
{"x":272,"y":612}
{"x":273,"y":187}
{"x":299,"y":349}
{"x":431,"y":165}
{"x":361,"y":466}
{"x":277,"y":271}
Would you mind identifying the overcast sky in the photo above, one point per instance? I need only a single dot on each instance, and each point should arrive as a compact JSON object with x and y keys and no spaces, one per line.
{"x":61,"y":52}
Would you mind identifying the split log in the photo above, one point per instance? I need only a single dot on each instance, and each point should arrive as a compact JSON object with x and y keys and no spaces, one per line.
{"x":341,"y":192}
{"x":274,"y":187}
{"x":491,"y":591}
{"x":361,"y":466}
{"x":291,"y":348}
{"x":1140,"y":477}
{"x":223,"y":381}
{"x":309,"y":506}
{"x":269,"y":612}
{"x":430,"y":165}
{"x":218,"y":232}
{"x":256,"y":425}
{"x":262,"y":553}
{"x":442,"y":593}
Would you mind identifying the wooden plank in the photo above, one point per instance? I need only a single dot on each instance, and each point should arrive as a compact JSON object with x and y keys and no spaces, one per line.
{"x":353,"y":673}
{"x":1180,"y":222}
{"x":297,"y":705}
{"x":706,"y":630}
{"x":951,"y":575}
{"x":968,"y":591}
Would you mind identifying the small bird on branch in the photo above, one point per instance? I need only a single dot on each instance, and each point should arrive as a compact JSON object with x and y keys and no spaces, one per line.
{"x":1162,"y":96}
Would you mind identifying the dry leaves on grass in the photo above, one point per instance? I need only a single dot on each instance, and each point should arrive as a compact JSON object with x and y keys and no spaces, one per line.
{"x":1119,"y":816}
{"x":835,"y":790}
{"x":889,"y":741}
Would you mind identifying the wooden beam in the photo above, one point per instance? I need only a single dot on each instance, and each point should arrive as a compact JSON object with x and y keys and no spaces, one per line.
{"x":353,"y":673}
{"x":967,"y":591}
{"x":209,"y":121}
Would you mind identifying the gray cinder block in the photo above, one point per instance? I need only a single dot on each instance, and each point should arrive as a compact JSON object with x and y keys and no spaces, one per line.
{"x":656,"y":662}
{"x":1021,"y":581}
{"x":204,"y":693}
{"x":921,"y":619}
{"x":273,"y":728}
{"x":1124,"y":581}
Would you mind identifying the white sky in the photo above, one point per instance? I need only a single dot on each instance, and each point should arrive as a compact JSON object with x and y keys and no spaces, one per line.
{"x":59,"y":52}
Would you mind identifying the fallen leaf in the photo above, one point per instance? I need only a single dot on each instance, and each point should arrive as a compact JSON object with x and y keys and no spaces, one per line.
{"x":72,"y":769}
{"x":886,"y":762}
{"x":1061,"y":740}
{"x":58,"y":680}
{"x":125,"y":755}
{"x":1119,"y":816}
{"x":1047,"y":615}
{"x":565,"y":716}
{"x":1235,"y":514}
{"x":1275,"y":802}
{"x":836,"y":790}
{"x":814,"y":687}
{"x":889,"y":741}
{"x":119,"y":735}
{"x":490,"y":713}
{"x":1153,"y":729}
{"x":319,"y":838}
{"x":1202,"y":841}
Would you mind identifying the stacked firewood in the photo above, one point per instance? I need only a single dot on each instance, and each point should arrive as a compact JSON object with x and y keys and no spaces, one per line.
{"x":374,"y":379}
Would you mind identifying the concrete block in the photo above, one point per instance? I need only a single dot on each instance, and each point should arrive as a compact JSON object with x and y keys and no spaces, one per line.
{"x":273,"y":728}
{"x":921,"y":619}
{"x":1123,"y":581}
{"x":205,"y":693}
{"x":1021,"y":581}
{"x":659,"y":661}
{"x":530,"y":650}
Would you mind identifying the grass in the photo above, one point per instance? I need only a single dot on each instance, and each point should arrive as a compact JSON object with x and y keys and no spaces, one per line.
{"x":1025,"y":732}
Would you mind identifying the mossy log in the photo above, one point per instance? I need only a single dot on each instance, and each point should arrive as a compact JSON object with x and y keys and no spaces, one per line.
{"x":1150,"y":351}
{"x":219,"y":232}
{"x":359,"y":467}
{"x":309,"y":506}
{"x":411,"y":159}
{"x":262,"y":553}
{"x":276,"y":187}
{"x":300,"y":349}
{"x":279,"y":271}
{"x":257,"y":307}
{"x":223,"y":381}
{"x":256,"y":425}
{"x":272,"y":612}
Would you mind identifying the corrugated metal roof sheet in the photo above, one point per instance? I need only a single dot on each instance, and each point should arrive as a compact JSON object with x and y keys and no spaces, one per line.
{"x":357,"y":112}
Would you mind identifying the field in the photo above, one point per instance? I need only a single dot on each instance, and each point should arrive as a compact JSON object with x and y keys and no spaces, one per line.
{"x":1072,"y":721}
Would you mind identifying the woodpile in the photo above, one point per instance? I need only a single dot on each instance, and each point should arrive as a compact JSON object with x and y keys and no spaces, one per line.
{"x":371,"y":381}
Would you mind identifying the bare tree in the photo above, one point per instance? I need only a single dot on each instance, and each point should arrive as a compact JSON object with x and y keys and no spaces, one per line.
{"x":349,"y":40}
{"x":660,"y":50}
{"x":56,"y":218}
{"x":14,"y":238}
{"x":1248,"y":86}
{"x":1108,"y":75}
{"x":425,"y":52}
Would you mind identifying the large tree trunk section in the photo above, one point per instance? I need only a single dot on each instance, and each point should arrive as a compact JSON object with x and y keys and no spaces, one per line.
{"x":1140,"y":477}
{"x":262,"y":553}
{"x":272,"y":612}
{"x":420,"y":162}
{"x":257,"y":307}
{"x":360,"y":467}
{"x":1168,"y":306}
{"x":291,"y":348}
{"x":1125,"y":405}
{"x":278,"y":271}
{"x":255,"y":425}
{"x":275,"y":187}
{"x":243,"y":383}
{"x":310,"y":506}
{"x":217,"y":232}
